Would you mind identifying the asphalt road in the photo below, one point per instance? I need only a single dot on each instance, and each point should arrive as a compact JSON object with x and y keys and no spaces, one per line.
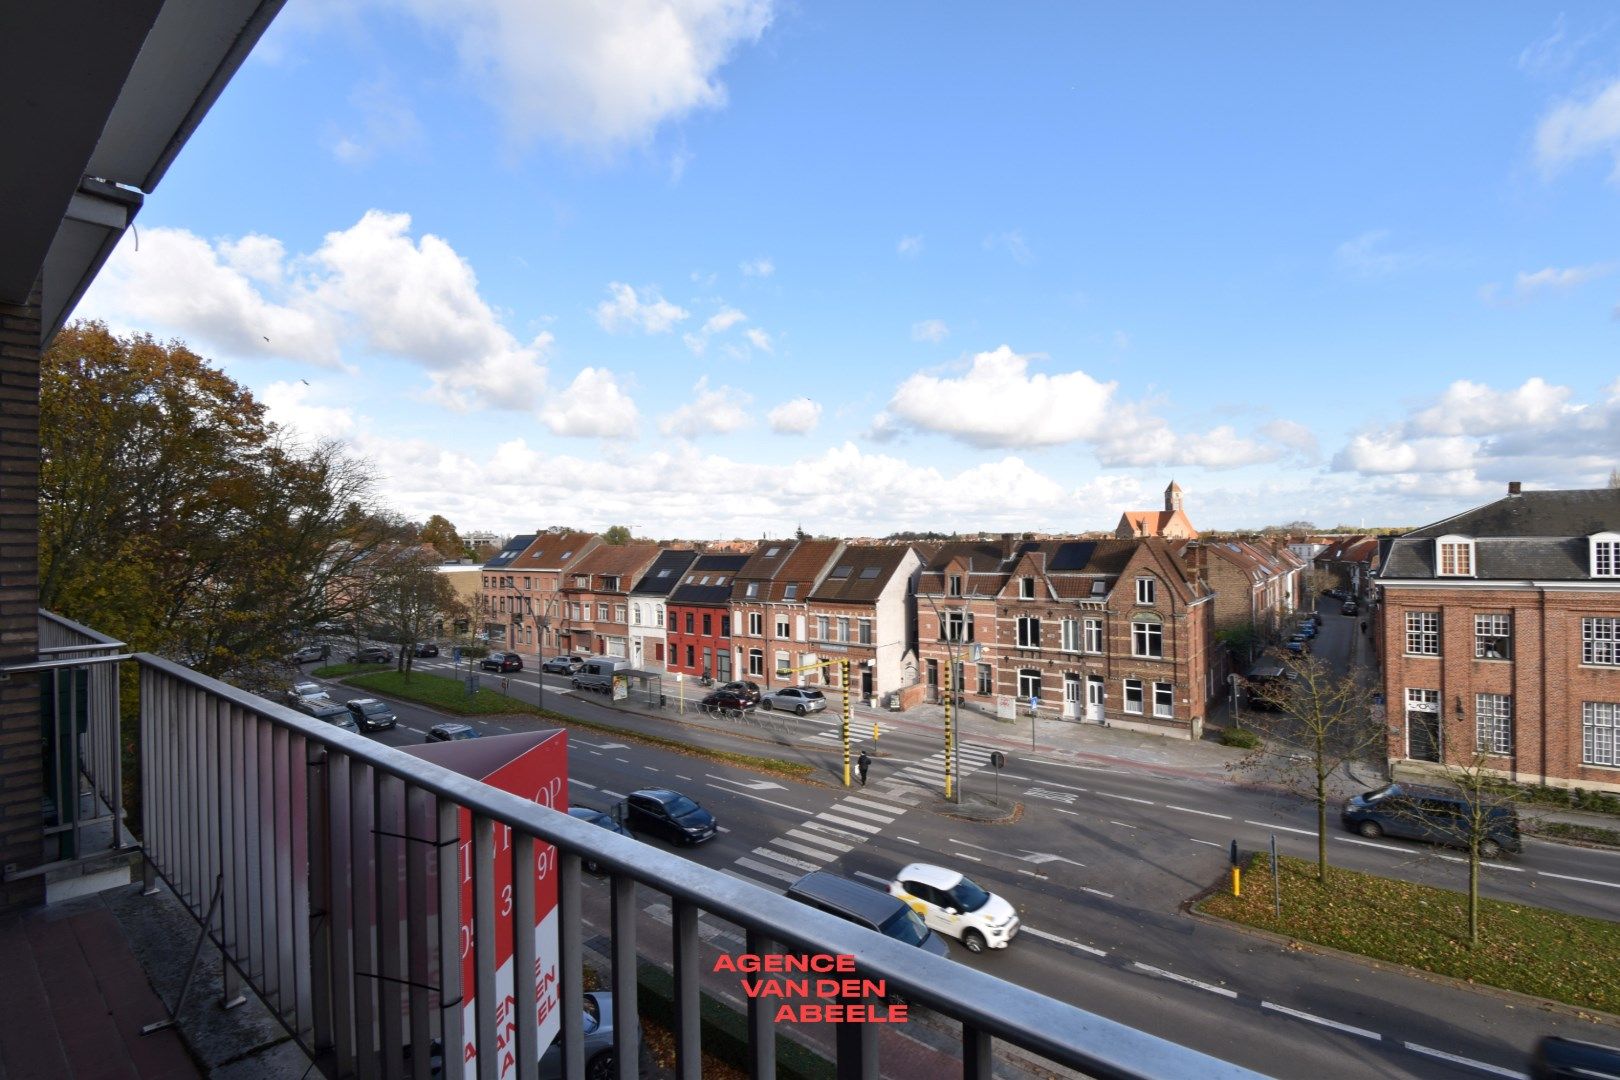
{"x":1098,"y":867}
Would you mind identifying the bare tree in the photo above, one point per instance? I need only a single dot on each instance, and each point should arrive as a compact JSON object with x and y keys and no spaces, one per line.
{"x":410,"y":597}
{"x":1312,"y":722}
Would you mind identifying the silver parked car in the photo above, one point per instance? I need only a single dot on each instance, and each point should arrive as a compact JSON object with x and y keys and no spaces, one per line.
{"x":799,"y":699}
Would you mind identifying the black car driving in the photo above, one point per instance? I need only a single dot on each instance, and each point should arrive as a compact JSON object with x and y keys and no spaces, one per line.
{"x":502,"y":661}
{"x":671,"y":815}
{"x":372,"y":654}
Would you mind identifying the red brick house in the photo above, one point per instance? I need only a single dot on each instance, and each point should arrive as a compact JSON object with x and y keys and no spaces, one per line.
{"x":862,"y":610}
{"x":1350,"y":562}
{"x":595,"y":598}
{"x":1257,"y":585}
{"x":1114,"y":630}
{"x":530,"y":603}
{"x":698,"y":634}
{"x":769,"y":602}
{"x":1499,"y":634}
{"x":498,"y":596}
{"x":1171,"y":522}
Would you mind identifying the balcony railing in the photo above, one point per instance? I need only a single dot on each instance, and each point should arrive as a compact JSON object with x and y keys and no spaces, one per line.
{"x":327,"y":868}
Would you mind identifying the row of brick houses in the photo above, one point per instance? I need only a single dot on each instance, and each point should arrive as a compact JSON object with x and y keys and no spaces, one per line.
{"x":1121,"y":630}
{"x":1498,"y":631}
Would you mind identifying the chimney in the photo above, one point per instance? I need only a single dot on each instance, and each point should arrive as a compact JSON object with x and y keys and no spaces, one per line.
{"x":1008,"y":544}
{"x":1513,"y":487}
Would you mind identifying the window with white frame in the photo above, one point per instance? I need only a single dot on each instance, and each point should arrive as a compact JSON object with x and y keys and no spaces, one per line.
{"x":756,"y":661}
{"x":782,"y":628}
{"x":1600,"y":641}
{"x":1147,"y":637}
{"x":1493,"y":716}
{"x":843,"y":628}
{"x":782,"y":662}
{"x":957,"y":626}
{"x":864,"y":628}
{"x":1598,"y":722}
{"x":1026,"y":588}
{"x":756,"y":624}
{"x":1094,"y":635}
{"x":821,"y":628}
{"x":1454,"y":556}
{"x":987,"y":679}
{"x":1164,"y":699}
{"x":751,"y":590}
{"x":582,"y":581}
{"x":618,"y":613}
{"x":658,"y":620}
{"x":1029,"y":632}
{"x":1423,"y":633}
{"x":1133,"y":695}
{"x":1605,"y":554}
{"x":1099,"y":587}
{"x":602,"y":612}
{"x":1493,"y":639}
{"x":610,"y":583}
{"x":635,"y":614}
{"x":1029,"y":684}
{"x":953,"y":585}
{"x":1146,"y":587}
{"x":1071,"y":635}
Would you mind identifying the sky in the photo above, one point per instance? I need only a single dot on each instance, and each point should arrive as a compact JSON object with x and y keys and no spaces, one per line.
{"x":717,"y":268}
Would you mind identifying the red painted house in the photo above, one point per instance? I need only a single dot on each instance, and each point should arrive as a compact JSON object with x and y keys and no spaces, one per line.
{"x":699,"y":618}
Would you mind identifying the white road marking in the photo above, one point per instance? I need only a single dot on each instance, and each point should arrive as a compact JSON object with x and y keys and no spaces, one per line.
{"x":1163,"y":974}
{"x":965,"y":855}
{"x":652,"y":768}
{"x":1071,"y":813}
{"x":1284,"y":828}
{"x":1097,"y":892}
{"x":845,"y":833}
{"x":1458,"y":1059}
{"x":722,"y":828}
{"x":757,"y":798}
{"x":1201,"y":813}
{"x":615,"y":794}
{"x":1031,"y":873}
{"x":678,"y":776}
{"x":773,"y":871}
{"x":847,"y":823}
{"x":822,"y":840}
{"x":1324,"y":1021}
{"x":598,"y":753}
{"x":1483,"y":862}
{"x":583,"y":784}
{"x":907,"y":839}
{"x":803,"y":849}
{"x":787,"y":859}
{"x":1374,"y":844}
{"x":751,"y":785}
{"x":844,"y":809}
{"x":872,"y":877}
{"x":1211,"y":843}
{"x":1125,"y":824}
{"x":1062,"y":941}
{"x":1127,"y":798}
{"x":623,"y":759}
{"x":864,"y":801}
{"x":1582,"y":880}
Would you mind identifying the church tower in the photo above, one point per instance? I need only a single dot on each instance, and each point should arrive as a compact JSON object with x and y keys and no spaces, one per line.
{"x":1172,"y":498}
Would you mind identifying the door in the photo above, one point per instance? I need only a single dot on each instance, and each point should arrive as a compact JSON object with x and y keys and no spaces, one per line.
{"x":933,"y":680}
{"x":1071,"y":697}
{"x":1094,"y":699}
{"x":724,"y":674}
{"x":1423,"y":728}
{"x":866,"y":684}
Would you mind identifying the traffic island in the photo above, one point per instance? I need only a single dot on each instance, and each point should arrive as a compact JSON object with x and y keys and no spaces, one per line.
{"x":1528,"y":950}
{"x":979,"y":809}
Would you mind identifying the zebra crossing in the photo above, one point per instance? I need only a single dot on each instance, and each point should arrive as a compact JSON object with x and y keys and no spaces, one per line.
{"x":851,"y":821}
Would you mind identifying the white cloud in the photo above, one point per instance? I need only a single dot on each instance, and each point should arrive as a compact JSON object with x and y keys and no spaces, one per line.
{"x":933,"y":330}
{"x":384,"y":122}
{"x":598,"y":75}
{"x":1370,"y":256}
{"x":797,"y":417}
{"x":1138,"y":440}
{"x":1294,"y":435}
{"x":593,"y":404}
{"x":761,"y":267}
{"x":723,"y":320}
{"x":998,"y":402}
{"x":1012,"y":243}
{"x":1470,"y":408}
{"x":625,"y":310}
{"x":716,"y":411}
{"x":1527,"y":286}
{"x":909,"y":246}
{"x":759,"y":339}
{"x":1575,"y":129}
{"x":289,"y":406}
{"x":370,"y":288}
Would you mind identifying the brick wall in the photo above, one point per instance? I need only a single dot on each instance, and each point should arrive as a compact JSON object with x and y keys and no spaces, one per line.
{"x":21,"y":780}
{"x":1544,"y":676}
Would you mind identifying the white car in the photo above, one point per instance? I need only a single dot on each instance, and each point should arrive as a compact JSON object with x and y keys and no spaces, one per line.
{"x":307,"y":690}
{"x":952,"y":904}
{"x":799,"y":699}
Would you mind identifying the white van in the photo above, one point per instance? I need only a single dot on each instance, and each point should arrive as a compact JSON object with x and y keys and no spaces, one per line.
{"x":598,"y":672}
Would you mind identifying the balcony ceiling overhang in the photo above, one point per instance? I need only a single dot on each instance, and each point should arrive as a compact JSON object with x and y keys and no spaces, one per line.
{"x":100,"y":97}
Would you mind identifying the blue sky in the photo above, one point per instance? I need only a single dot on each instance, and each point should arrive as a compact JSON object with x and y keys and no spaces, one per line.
{"x":726,"y":267}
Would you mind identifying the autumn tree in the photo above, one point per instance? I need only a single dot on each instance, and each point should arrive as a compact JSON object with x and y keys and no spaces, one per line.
{"x":176,"y":517}
{"x":1312,"y":722}
{"x":410,"y":597}
{"x":443,"y":537}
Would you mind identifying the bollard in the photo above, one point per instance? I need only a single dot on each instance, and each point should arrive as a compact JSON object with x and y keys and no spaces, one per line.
{"x":1237,"y":872}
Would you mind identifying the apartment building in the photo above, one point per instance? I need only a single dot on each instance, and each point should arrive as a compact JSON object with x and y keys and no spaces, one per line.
{"x":499,"y":599}
{"x":537,"y":623}
{"x":594,"y":595}
{"x":1499,"y":634}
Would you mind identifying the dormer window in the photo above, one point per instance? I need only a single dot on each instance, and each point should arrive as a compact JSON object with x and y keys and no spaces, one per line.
{"x":753,"y":589}
{"x":1145,"y":590}
{"x":1605,"y":554}
{"x":1026,"y":588}
{"x":1454,"y":556}
{"x":790,"y":592}
{"x":954,"y":585}
{"x":1099,"y":587}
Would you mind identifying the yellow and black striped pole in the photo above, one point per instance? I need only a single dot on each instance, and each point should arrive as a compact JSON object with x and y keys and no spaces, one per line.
{"x":950,"y":732}
{"x":843,"y":675}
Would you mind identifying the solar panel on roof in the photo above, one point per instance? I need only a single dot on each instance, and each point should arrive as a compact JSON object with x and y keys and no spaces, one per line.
{"x":1073,"y":556}
{"x":1028,"y":545}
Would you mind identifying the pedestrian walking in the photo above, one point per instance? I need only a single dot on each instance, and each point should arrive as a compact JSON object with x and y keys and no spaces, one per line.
{"x":862,"y":764}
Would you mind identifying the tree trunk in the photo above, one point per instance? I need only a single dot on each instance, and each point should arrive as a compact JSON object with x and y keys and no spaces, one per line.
{"x":1321,"y":830}
{"x":1473,"y":894}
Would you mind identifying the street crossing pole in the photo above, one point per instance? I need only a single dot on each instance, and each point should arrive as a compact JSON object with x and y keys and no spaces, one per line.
{"x":950,"y":731}
{"x":843,"y":674}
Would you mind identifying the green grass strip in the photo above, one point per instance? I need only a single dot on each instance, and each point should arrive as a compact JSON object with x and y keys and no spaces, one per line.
{"x":1531,"y":950}
{"x":725,"y":1029}
{"x":450,"y":695}
{"x":1591,"y":834}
